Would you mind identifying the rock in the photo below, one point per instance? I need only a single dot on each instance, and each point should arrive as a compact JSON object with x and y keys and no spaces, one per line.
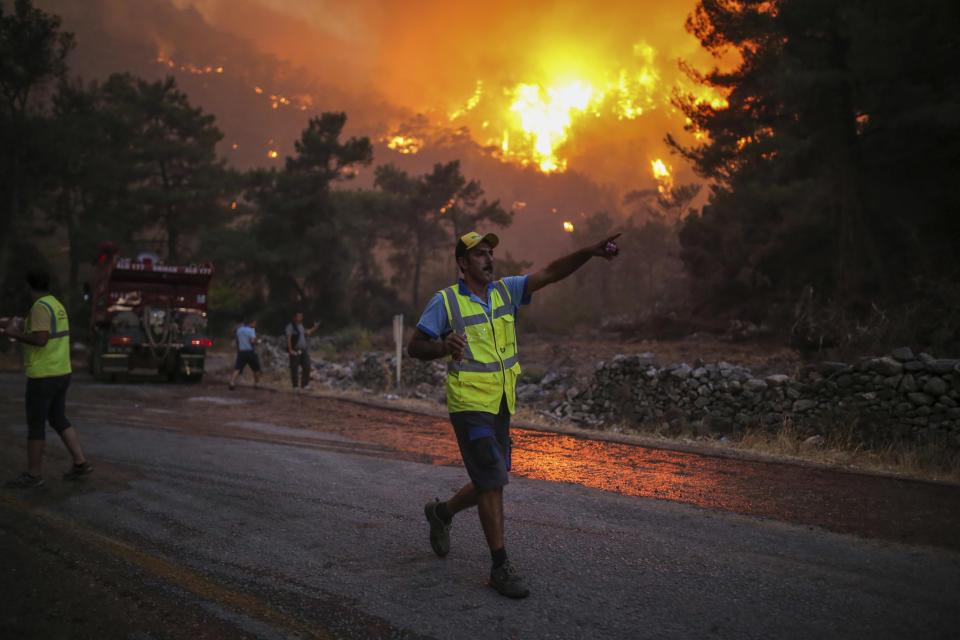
{"x":936,"y":386}
{"x":646,"y":359}
{"x":833,"y":368}
{"x":814,"y":442}
{"x":755,"y":385}
{"x":681,"y":371}
{"x":549,"y":379}
{"x":803,"y":405}
{"x":777,"y":380}
{"x":920,"y":399}
{"x":902,"y":354}
{"x":942,"y":366}
{"x":885,"y":366}
{"x":374,"y":371}
{"x":908,"y":384}
{"x":893,"y":381}
{"x":528,"y":392}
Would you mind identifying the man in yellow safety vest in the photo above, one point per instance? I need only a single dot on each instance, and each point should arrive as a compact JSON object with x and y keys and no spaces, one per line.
{"x":45,"y":334}
{"x":472,"y":325}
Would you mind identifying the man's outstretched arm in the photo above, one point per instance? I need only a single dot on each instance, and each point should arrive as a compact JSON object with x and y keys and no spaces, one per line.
{"x":563,"y":267}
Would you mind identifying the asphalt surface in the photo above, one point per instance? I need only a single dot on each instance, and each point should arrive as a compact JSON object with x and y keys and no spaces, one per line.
{"x":203,"y":519}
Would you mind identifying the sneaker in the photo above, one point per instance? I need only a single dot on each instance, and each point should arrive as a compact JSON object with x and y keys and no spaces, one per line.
{"x":439,"y":529}
{"x":25,"y":481}
{"x":231,"y":386}
{"x":507,"y":582}
{"x":78,"y":471}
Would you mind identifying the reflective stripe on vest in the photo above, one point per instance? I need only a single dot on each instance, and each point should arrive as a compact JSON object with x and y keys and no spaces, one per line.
{"x":52,"y":359}
{"x":53,"y":321}
{"x":490,"y":364}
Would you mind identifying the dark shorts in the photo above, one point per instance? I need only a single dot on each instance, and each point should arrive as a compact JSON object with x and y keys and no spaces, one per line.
{"x":484,"y":440}
{"x":245,"y":358}
{"x":46,"y":400}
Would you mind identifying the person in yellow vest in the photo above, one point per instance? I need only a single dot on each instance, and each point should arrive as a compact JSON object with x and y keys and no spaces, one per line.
{"x":45,"y":334}
{"x":472,"y":325}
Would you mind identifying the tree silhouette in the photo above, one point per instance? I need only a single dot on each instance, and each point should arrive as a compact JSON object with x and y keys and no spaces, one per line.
{"x":33,"y":53}
{"x":432,"y":211}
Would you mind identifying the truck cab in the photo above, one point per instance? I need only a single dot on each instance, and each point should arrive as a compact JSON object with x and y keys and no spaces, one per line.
{"x":149,"y":317}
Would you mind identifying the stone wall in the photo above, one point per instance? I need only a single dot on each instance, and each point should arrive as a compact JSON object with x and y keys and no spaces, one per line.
{"x":899,"y":396}
{"x":896,"y":397}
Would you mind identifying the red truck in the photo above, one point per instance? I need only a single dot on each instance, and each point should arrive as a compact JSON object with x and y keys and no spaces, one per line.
{"x":148,"y":316}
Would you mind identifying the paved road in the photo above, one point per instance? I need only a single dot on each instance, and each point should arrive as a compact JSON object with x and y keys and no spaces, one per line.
{"x":242,"y":527}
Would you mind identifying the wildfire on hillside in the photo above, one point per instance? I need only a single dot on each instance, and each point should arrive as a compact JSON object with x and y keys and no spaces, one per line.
{"x":531,"y":123}
{"x":556,"y":98}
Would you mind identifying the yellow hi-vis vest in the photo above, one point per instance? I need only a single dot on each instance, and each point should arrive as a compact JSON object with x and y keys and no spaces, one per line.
{"x":490,"y":364}
{"x":52,"y":359}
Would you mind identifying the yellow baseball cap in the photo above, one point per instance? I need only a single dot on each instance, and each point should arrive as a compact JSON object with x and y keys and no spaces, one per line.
{"x":470,"y":240}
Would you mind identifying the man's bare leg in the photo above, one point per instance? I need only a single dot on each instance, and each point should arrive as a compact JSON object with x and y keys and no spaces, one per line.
{"x":72,"y":442}
{"x":490,"y":509}
{"x":35,"y":457}
{"x":465,"y":498}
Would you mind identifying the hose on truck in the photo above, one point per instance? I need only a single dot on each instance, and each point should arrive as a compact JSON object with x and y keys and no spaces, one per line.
{"x":158,"y":342}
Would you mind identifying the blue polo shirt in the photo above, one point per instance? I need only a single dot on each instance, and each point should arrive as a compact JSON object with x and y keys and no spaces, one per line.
{"x":244,"y":334}
{"x":434,"y":321}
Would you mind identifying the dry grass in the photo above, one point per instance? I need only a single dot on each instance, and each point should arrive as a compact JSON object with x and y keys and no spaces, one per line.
{"x":840,"y":449}
{"x":843,"y":449}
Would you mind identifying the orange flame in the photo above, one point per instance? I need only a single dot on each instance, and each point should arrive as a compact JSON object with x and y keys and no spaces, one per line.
{"x":404,"y":144}
{"x":536,"y":121}
{"x":447,"y":206}
{"x":662,"y":175}
{"x":301,"y":102}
